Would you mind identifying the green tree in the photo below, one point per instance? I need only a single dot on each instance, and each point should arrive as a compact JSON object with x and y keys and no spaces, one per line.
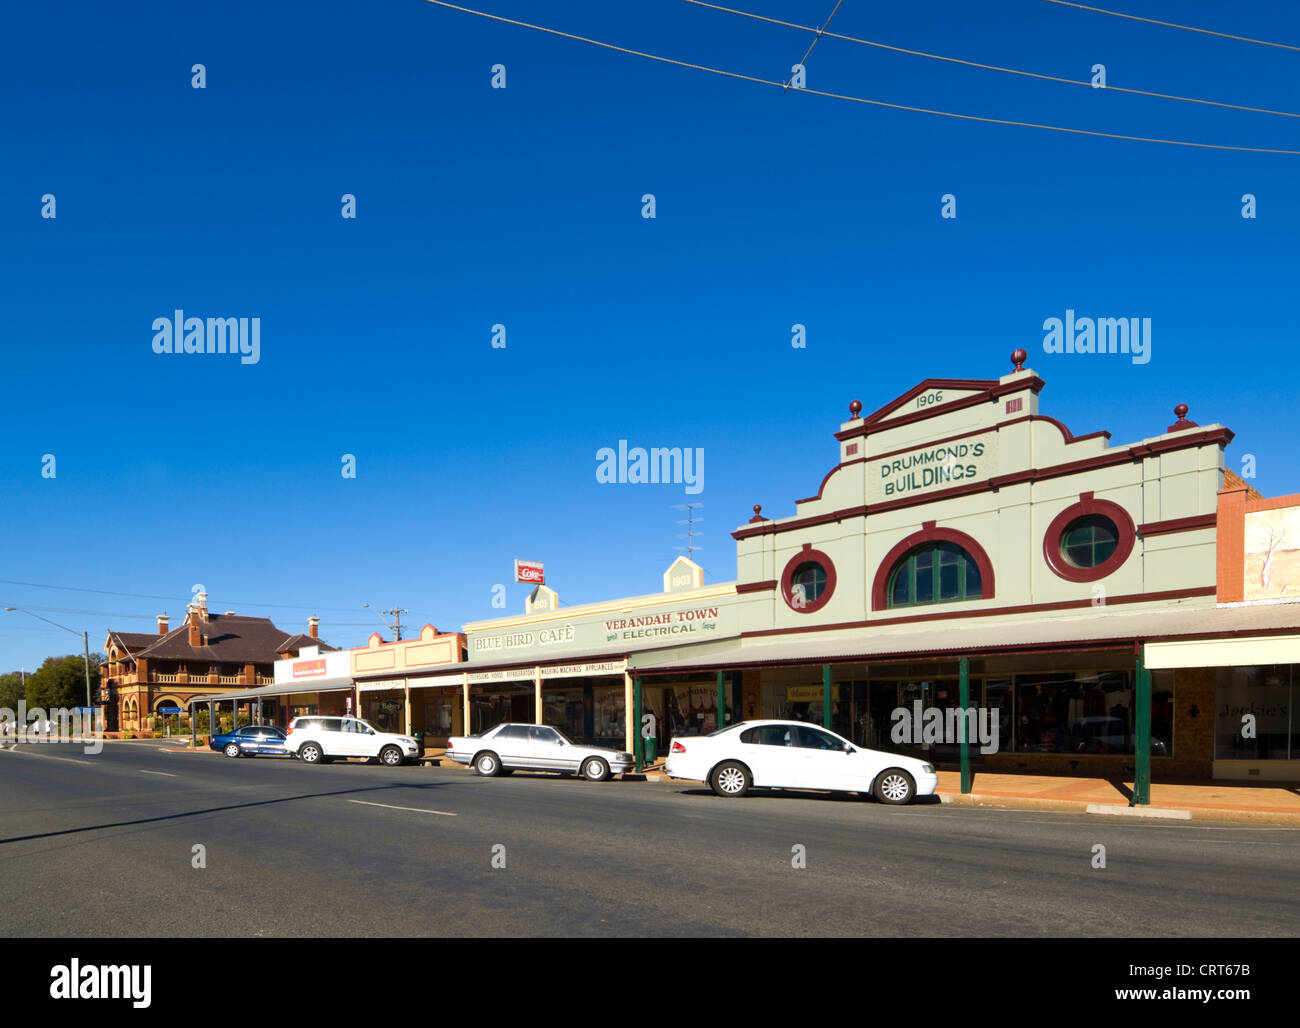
{"x":61,"y":682}
{"x":12,"y":689}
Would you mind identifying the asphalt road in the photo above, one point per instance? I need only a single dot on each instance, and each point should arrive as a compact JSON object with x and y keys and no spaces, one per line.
{"x":103,"y":846}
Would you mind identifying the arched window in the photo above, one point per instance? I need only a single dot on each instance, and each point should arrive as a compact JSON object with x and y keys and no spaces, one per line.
{"x":935,"y":572}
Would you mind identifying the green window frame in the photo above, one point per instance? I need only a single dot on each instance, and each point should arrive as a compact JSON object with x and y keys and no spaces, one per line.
{"x":939,"y":572}
{"x":812,"y":576}
{"x":1090,"y":541}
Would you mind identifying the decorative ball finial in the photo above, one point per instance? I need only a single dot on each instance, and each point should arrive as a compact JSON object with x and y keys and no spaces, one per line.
{"x":855,"y":408}
{"x":758,"y":513}
{"x":1180,"y":412}
{"x":1018,"y":358}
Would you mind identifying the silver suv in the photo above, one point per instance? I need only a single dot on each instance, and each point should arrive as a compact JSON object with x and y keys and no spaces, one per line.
{"x":318,"y":740}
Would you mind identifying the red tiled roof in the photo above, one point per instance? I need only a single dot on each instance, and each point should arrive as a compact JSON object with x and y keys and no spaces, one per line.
{"x":133,"y":642}
{"x":230,"y":638}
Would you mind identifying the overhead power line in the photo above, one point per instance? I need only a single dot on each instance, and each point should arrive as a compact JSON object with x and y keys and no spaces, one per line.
{"x":817,"y":38}
{"x":1110,"y":88}
{"x":1174,"y":25}
{"x":862,"y":100}
{"x":176,"y":598}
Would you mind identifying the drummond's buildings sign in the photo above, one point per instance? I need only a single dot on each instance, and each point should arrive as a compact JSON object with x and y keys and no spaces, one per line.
{"x":954,"y":463}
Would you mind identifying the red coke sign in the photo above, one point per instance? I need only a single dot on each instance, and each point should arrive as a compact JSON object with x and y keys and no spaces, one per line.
{"x":530,"y":571}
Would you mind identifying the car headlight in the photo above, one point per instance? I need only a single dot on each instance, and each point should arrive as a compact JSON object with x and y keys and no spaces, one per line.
{"x":927,"y":769}
{"x":409,"y":742}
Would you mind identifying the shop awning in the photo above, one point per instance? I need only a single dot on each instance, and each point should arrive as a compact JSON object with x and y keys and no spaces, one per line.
{"x":1239,"y":651}
{"x":1252,"y":625}
{"x":285,"y":689}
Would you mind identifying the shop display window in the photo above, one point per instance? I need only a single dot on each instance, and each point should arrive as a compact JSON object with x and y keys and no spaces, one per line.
{"x":1253,"y":717}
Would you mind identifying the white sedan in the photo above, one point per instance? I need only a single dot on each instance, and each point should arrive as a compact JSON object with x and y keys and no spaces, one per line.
{"x":796,"y":755}
{"x":510,"y":747}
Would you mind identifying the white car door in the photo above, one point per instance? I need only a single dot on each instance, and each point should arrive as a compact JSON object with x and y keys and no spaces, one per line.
{"x":512,"y":746}
{"x":771,"y":753}
{"x":546,"y":750}
{"x":356,"y":739}
{"x":826,"y":762}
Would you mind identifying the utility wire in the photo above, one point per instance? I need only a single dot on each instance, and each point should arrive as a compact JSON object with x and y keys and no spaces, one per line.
{"x":152,"y":596}
{"x":991,"y":67}
{"x":863,"y":100}
{"x":1174,"y":25}
{"x":817,"y":38}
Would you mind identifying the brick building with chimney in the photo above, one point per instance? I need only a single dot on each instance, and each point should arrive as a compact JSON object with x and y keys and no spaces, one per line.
{"x":144,"y":673}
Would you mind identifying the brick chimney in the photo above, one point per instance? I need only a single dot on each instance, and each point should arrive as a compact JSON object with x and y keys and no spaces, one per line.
{"x":313,"y":627}
{"x":163,"y":622}
{"x":195,"y":625}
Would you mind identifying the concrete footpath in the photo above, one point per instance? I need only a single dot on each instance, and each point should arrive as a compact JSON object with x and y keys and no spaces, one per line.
{"x":1242,"y":802}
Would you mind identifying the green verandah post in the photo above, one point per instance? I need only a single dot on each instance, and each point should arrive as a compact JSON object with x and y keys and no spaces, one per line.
{"x":826,"y":696}
{"x":638,"y":743}
{"x":1142,"y":734}
{"x":964,"y":701}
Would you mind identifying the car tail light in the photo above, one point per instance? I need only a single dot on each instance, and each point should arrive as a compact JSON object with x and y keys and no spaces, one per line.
{"x":678,"y":748}
{"x":289,"y":730}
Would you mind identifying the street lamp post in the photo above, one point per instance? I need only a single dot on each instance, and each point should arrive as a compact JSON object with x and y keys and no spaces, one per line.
{"x":85,"y":642}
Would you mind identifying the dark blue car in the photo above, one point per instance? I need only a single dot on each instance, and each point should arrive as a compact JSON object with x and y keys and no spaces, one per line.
{"x":251,"y":741}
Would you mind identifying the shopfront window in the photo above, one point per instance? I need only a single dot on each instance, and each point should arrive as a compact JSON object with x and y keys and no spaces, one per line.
{"x":1252,"y":715}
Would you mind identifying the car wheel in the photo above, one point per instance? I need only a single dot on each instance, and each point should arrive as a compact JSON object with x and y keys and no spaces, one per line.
{"x":310,"y":753}
{"x":487,"y":764}
{"x":895,"y":786}
{"x":730,"y":779}
{"x":231,"y":749}
{"x":594,"y":769}
{"x":390,"y":756}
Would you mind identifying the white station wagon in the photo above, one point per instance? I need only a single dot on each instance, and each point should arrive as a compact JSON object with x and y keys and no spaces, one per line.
{"x":510,"y":747}
{"x":796,"y":755}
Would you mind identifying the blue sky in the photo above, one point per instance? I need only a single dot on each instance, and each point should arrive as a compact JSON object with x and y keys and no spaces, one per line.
{"x":522,"y":206}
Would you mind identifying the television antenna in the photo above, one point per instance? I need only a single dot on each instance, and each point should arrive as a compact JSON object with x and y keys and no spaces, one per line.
{"x":690,"y":522}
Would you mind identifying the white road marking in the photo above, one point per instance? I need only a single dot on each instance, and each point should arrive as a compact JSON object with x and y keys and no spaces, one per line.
{"x":168,"y":774}
{"x":50,"y":756}
{"x":418,"y":810}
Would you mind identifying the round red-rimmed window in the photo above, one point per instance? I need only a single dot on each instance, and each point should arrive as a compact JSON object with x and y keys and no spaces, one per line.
{"x":808,"y":581}
{"x":1089,"y":540}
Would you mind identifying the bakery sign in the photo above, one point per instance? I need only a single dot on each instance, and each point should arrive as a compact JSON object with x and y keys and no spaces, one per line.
{"x":932,"y":468}
{"x":309,"y":668}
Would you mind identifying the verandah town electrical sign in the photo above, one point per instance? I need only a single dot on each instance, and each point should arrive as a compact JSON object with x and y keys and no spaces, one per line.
{"x":932,"y":467}
{"x":630,"y":630}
